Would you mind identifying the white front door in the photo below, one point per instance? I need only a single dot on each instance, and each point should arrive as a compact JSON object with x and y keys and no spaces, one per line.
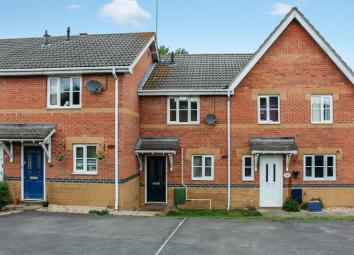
{"x":1,"y":163}
{"x":271,"y":180}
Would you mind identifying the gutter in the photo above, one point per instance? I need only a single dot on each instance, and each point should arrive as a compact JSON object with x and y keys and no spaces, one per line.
{"x":66,"y":70}
{"x":116,"y":144}
{"x":181,"y":92}
{"x":228,"y":152}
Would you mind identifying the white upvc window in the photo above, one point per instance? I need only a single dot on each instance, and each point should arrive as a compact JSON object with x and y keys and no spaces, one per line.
{"x":321,"y":109}
{"x":247,"y":168}
{"x":85,"y":161}
{"x":203,"y":167}
{"x":319,"y":167}
{"x":183,"y":110}
{"x":268,"y":109}
{"x":64,"y":92}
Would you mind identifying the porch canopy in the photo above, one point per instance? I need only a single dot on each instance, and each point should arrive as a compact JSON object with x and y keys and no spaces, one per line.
{"x":27,"y":133}
{"x":167,"y":146}
{"x":273,"y":145}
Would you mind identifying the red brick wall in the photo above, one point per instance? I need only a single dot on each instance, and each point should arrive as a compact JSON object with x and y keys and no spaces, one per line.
{"x":294,"y":67}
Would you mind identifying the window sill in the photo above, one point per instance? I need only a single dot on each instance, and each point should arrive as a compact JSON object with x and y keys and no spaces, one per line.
{"x":268,"y":123}
{"x":322,"y":123}
{"x":319,"y":179}
{"x":248,"y":180}
{"x":63,"y":108}
{"x":182,"y":123}
{"x":84,"y":173}
{"x":202,"y":179}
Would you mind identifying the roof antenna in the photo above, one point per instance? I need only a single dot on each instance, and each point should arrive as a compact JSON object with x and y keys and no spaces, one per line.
{"x":172,"y":61}
{"x":68,"y":34}
{"x":46,"y":37}
{"x":157,"y":17}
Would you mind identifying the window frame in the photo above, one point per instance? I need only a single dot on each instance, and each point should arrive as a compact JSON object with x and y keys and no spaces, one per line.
{"x":322,"y":109}
{"x":325,"y":166}
{"x":244,"y":177}
{"x":84,"y":171}
{"x":203,"y":178}
{"x":267,"y":122}
{"x":177,"y":122}
{"x":58,"y":92}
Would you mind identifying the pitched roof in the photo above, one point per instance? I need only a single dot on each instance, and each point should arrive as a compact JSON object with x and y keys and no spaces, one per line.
{"x":157,"y":144}
{"x":25,"y":131}
{"x":195,"y":72}
{"x":99,"y":50}
{"x":294,"y":13}
{"x":272,"y":144}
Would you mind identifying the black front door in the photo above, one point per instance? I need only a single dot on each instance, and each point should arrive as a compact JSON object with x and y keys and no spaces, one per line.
{"x":156,"y":179}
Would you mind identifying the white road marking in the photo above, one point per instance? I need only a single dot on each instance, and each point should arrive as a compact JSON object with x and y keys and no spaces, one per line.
{"x":169,"y":237}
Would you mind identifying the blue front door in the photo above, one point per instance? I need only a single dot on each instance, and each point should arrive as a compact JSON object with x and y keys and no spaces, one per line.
{"x":33,"y":172}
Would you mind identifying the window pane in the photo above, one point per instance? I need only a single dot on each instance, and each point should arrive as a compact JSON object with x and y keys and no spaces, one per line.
{"x":326,"y":102}
{"x":316,"y":102}
{"x":183,"y":116}
{"x":53,"y":85}
{"x":65,"y":99}
{"x":76,"y":98}
{"x":326,"y":114}
{"x":319,"y":160}
{"x":263,"y":102}
{"x":273,"y":101}
{"x":207,"y":161}
{"x":208,"y":172}
{"x":91,"y":151}
{"x":91,"y":165}
{"x":173,"y":103}
{"x":330,"y":172}
{"x":53,"y":99}
{"x":197,"y":172}
{"x":197,"y":161}
{"x":308,"y":171}
{"x":194,"y":115}
{"x":64,"y":84}
{"x":273,"y":115}
{"x":183,"y":104}
{"x":248,"y":172}
{"x":316,"y":115}
{"x":330,"y":161}
{"x":319,"y":172}
{"x":76,"y":84}
{"x":79,"y":164}
{"x":263,"y":115}
{"x":248,"y":161}
{"x":173,"y":115}
{"x":79,"y":152}
{"x":194,"y":103}
{"x":308,"y":161}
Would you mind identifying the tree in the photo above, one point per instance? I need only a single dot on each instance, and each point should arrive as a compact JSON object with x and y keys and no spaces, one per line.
{"x":181,"y":51}
{"x":163,"y":50}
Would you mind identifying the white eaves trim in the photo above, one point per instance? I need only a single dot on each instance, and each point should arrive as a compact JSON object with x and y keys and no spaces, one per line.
{"x":293,"y":14}
{"x":182,"y":92}
{"x":77,"y":70}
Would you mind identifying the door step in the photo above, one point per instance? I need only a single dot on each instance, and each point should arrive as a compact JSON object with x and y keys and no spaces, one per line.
{"x":154,"y":207}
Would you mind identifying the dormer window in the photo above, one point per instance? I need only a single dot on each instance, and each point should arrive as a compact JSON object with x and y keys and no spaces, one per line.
{"x":64,"y":92}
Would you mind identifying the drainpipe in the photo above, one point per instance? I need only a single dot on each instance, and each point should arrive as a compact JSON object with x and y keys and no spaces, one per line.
{"x":116,"y":121}
{"x":228,"y":152}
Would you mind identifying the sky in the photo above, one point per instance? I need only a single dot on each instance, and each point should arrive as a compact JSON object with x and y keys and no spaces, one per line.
{"x":200,"y":26}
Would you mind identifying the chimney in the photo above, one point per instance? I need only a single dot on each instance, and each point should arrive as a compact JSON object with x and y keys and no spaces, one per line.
{"x":83,"y":34}
{"x":68,"y":34}
{"x":46,"y":37}
{"x":172,"y":60}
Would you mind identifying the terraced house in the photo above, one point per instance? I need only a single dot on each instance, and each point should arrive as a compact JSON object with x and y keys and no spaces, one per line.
{"x":104,"y":120}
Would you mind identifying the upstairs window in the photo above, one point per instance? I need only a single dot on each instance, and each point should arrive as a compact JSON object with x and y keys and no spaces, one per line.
{"x":247,"y":168}
{"x":85,"y":161}
{"x":183,"y":110}
{"x":203,"y":167}
{"x":319,"y":167}
{"x":321,"y":109}
{"x":268,"y":110}
{"x":64,"y":92}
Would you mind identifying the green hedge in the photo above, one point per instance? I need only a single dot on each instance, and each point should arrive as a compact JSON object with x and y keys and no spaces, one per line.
{"x":291,"y":205}
{"x":4,"y":194}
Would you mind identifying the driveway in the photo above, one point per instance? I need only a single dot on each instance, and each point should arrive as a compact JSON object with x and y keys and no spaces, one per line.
{"x":51,"y":233}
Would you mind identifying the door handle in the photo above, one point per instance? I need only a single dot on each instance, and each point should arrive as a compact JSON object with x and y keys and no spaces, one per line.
{"x":156,"y":183}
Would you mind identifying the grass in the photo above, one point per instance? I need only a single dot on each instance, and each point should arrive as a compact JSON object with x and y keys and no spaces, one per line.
{"x":251,"y":214}
{"x":204,"y":213}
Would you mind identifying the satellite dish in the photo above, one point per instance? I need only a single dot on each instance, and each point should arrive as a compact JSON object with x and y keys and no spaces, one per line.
{"x":94,"y":86}
{"x":210,"y":119}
